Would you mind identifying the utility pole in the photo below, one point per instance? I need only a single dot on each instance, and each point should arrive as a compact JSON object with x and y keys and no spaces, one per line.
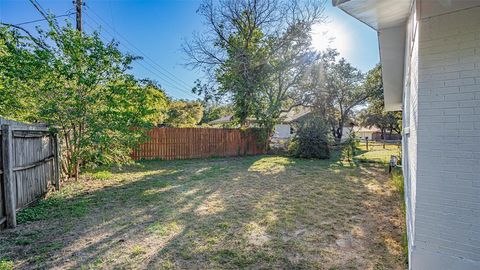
{"x":78,"y":7}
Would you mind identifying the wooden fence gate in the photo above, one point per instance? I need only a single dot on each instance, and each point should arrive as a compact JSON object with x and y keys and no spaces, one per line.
{"x":29,"y":164}
{"x":186,"y":143}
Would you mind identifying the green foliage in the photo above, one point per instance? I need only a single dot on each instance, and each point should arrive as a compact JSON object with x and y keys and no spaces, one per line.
{"x":80,"y":85}
{"x":398,"y":184}
{"x":256,"y":53}
{"x":311,"y":140}
{"x":349,"y":147}
{"x":243,"y":73}
{"x":15,"y":75}
{"x":182,"y":113}
{"x":6,"y":264}
{"x":157,"y":101}
{"x":397,"y":180}
{"x":338,"y":90}
{"x":375,"y":114}
{"x":215,"y":111}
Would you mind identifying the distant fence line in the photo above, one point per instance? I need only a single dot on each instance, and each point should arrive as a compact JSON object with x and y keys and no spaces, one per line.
{"x":29,"y":165}
{"x":186,"y":143}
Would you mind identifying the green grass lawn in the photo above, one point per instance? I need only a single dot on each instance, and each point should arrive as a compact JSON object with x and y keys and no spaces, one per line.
{"x":259,"y":212}
{"x":376,"y":152}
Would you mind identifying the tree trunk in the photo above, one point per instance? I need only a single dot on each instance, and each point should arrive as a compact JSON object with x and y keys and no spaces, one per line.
{"x":338,"y":132}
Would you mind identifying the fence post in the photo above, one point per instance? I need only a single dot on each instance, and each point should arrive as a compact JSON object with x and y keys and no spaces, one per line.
{"x":57,"y":160}
{"x":7,"y":155}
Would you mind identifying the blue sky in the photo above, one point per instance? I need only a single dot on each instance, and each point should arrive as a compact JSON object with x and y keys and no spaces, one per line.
{"x":157,"y":28}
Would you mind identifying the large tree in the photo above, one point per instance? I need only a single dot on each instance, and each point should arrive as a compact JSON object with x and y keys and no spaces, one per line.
{"x":79,"y":85}
{"x":157,"y":101}
{"x":184,"y":113}
{"x":337,"y":89}
{"x":375,"y":114}
{"x":251,"y":52}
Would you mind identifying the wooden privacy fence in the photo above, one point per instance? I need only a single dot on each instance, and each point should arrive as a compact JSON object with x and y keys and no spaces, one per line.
{"x":186,"y":143}
{"x":29,"y":164}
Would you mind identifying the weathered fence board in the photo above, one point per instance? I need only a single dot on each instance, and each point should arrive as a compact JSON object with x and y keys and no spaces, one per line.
{"x":28,"y":165}
{"x":3,"y":214}
{"x":9,"y":187}
{"x":186,"y":143}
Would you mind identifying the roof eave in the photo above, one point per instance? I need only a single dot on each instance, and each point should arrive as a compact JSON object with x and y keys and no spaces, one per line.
{"x":388,"y":18}
{"x":377,"y":14}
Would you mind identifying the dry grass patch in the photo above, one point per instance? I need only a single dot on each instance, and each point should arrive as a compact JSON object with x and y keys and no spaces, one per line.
{"x":252,"y":212}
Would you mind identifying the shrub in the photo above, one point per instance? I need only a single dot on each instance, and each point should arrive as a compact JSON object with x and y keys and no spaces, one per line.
{"x":310,"y":140}
{"x":349,"y":146}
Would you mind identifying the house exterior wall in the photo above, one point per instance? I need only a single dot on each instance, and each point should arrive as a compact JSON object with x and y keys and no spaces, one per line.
{"x":282,"y":131}
{"x":410,"y":124}
{"x":365,"y":135}
{"x":346,"y":133}
{"x":442,"y":139}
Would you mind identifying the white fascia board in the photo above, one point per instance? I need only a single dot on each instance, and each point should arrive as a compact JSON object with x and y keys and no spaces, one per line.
{"x":377,"y":14}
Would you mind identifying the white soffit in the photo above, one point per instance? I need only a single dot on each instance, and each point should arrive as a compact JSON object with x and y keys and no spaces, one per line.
{"x":377,"y":14}
{"x":392,"y":50}
{"x":389,"y":18}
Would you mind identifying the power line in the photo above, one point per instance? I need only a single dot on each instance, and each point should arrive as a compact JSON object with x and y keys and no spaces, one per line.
{"x":165,"y":78}
{"x":40,"y":20}
{"x":171,"y":85}
{"x":133,"y":45}
{"x":146,"y":56}
{"x":44,"y":14}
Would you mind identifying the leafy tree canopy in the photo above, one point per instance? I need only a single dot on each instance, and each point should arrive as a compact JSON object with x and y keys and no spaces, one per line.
{"x":337,"y":90}
{"x":80,"y":85}
{"x":183,"y":113}
{"x":375,"y":114}
{"x":254,"y":52}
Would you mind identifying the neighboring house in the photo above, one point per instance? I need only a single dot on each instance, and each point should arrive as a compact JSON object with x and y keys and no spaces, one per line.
{"x":373,"y":133}
{"x":430,"y":56}
{"x":222,"y":121}
{"x":365,"y":133}
{"x":282,"y":131}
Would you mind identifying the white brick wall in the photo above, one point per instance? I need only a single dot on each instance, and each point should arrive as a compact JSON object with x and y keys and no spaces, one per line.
{"x":442,"y":151}
{"x":410,"y":121}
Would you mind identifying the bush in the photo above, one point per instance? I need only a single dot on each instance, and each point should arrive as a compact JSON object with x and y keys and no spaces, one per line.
{"x":311,"y":140}
{"x":349,"y":146}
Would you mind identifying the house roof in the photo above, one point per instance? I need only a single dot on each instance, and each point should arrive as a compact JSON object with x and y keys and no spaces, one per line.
{"x":222,"y":120}
{"x":286,"y":117}
{"x":388,"y":17}
{"x":293,"y":116}
{"x":366,"y":129}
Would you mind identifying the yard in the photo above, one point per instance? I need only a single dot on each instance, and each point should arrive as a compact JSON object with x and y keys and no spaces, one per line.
{"x":258,"y":212}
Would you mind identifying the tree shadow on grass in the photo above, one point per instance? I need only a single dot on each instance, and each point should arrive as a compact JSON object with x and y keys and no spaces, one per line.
{"x":253,"y":212}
